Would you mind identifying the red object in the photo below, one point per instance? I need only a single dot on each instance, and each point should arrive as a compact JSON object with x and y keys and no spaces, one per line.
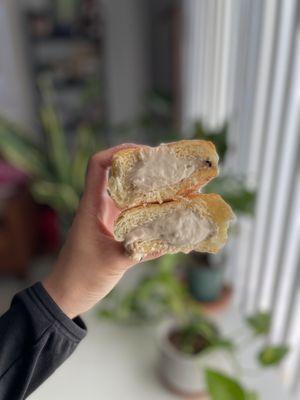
{"x":9,"y":174}
{"x":25,"y":227}
{"x":48,"y":229}
{"x":11,"y":179}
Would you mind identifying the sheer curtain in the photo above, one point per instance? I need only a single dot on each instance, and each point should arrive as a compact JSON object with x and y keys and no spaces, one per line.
{"x":242,"y":65}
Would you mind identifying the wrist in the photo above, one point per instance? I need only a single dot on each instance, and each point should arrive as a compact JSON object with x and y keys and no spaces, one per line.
{"x":63,"y":297}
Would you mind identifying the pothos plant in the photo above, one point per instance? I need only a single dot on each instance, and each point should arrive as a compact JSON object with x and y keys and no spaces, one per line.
{"x":160,"y":294}
{"x":156,"y":294}
{"x":223,"y":387}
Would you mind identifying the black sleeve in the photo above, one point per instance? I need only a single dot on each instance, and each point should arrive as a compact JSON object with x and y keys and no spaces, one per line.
{"x":36,"y":337}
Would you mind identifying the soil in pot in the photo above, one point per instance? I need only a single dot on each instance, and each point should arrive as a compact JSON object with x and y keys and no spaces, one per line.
{"x":184,"y":356}
{"x":179,"y":340}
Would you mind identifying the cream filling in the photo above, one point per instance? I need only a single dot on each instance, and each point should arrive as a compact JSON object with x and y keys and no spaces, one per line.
{"x":159,"y":167}
{"x":177,"y":228}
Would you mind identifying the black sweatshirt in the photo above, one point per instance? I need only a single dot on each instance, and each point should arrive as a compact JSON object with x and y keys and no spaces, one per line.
{"x":36,"y":337}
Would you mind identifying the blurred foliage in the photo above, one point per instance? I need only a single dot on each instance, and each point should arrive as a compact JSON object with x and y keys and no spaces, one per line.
{"x":234,"y":191}
{"x":223,"y":387}
{"x":231,"y":186}
{"x":57,"y":175}
{"x":162,"y":294}
{"x":219,"y":137}
{"x":195,"y":326}
{"x":271,"y":356}
{"x":157,"y":294}
{"x":259,"y":323}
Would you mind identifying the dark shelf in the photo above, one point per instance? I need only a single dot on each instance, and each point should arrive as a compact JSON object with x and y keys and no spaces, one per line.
{"x":69,"y":56}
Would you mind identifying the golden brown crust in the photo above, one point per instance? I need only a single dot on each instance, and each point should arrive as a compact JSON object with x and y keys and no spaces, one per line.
{"x":126,"y":196}
{"x":210,"y":206}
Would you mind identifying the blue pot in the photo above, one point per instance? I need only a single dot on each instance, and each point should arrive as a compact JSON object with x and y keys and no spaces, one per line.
{"x":205,"y":283}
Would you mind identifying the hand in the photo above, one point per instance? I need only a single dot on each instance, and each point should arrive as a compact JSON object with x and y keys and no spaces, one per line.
{"x":91,"y":261}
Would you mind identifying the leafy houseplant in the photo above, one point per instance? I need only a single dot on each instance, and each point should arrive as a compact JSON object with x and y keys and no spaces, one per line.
{"x":196,"y":357}
{"x":186,"y":348}
{"x":57,"y":174}
{"x":205,"y":272}
{"x":157,"y":294}
{"x":194,"y":354}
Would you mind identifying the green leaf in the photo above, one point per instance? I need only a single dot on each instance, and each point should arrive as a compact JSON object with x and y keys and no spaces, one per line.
{"x":242,"y":202}
{"x":231,"y":188}
{"x":58,"y":153}
{"x":272,"y":355}
{"x":59,"y":196}
{"x":167,"y":262}
{"x":207,"y":329}
{"x":223,"y":387}
{"x":19,"y":150}
{"x":218,"y":137}
{"x":234,"y":191}
{"x":85,"y":146}
{"x":225,"y":344}
{"x":259,"y":322}
{"x":252,"y":396}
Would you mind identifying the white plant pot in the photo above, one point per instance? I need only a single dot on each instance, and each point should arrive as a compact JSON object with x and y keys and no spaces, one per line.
{"x":184,"y":373}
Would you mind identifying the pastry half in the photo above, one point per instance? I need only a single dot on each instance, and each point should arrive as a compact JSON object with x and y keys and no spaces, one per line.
{"x":156,"y":174}
{"x":197,"y":222}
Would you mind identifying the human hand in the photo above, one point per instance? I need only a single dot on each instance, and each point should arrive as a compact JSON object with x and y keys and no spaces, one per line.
{"x":91,"y":261}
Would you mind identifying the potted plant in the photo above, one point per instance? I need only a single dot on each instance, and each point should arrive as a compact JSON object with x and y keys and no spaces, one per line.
{"x":194,"y":357}
{"x":205,"y":272}
{"x":186,"y":349}
{"x":156,"y":294}
{"x":205,"y":277}
{"x":56,"y":171}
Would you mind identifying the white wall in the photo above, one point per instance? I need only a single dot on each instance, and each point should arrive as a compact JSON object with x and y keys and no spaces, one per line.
{"x":126,"y":60}
{"x":16,"y":96}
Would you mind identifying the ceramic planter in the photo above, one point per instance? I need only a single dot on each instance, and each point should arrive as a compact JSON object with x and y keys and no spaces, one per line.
{"x":184,"y":373}
{"x":205,"y":283}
